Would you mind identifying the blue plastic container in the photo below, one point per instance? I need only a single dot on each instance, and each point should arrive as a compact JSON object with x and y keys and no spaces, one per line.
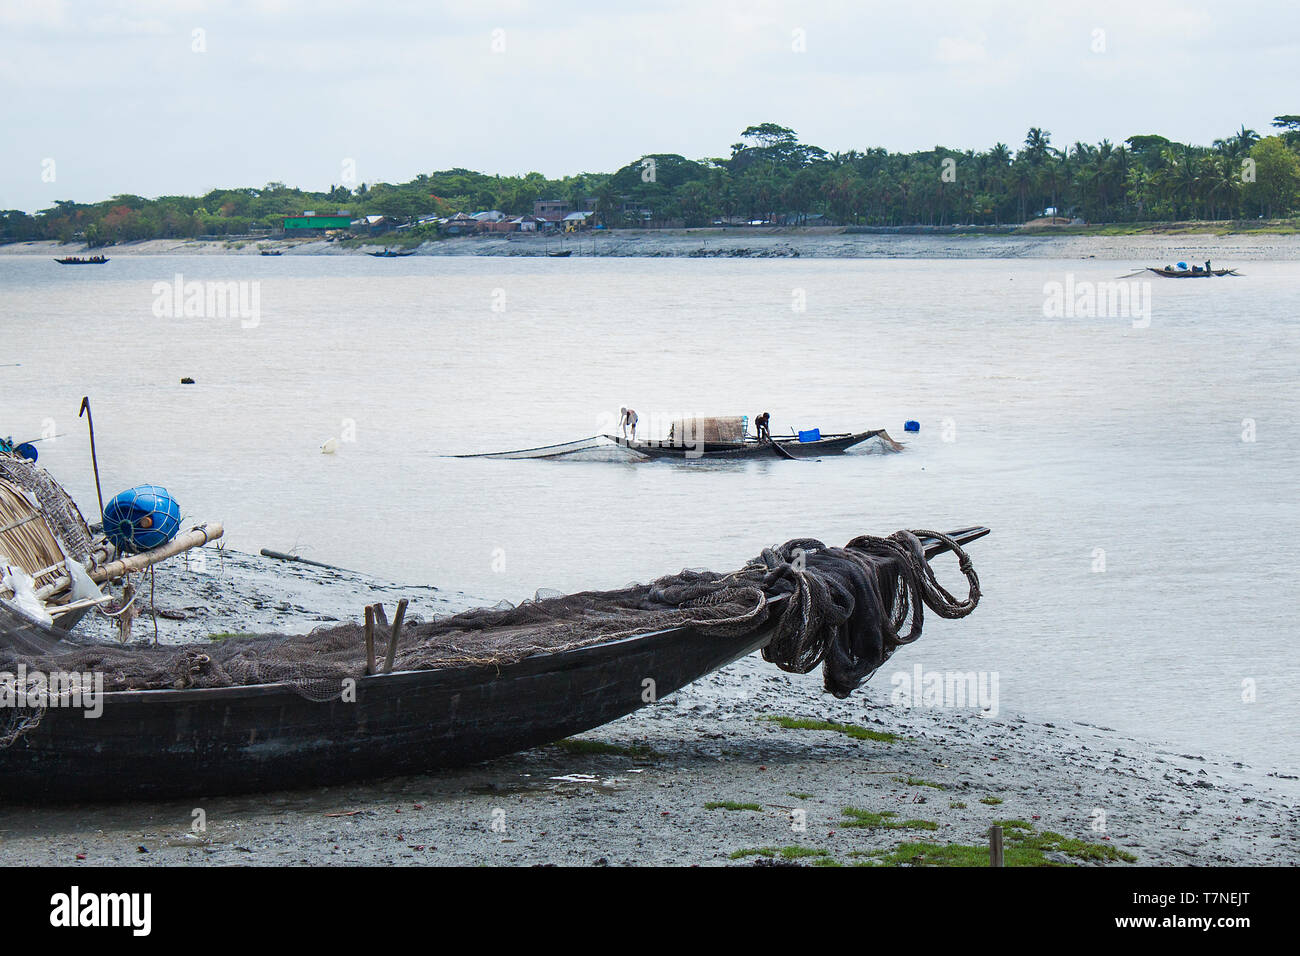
{"x":141,"y":518}
{"x":812,"y":434}
{"x":911,"y":426}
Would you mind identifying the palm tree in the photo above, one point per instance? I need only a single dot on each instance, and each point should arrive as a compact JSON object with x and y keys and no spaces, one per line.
{"x":1243,"y":140}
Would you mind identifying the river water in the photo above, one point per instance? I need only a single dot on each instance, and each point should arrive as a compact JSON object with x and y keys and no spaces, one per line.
{"x":1139,"y":472}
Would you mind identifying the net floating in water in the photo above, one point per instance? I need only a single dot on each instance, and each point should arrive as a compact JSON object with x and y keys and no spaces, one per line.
{"x":141,"y":518}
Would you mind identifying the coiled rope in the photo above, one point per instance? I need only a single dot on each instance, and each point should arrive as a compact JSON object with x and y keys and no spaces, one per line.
{"x":846,"y":607}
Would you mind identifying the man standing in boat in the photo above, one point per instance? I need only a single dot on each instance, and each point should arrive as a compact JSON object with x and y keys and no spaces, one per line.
{"x":762,"y":423}
{"x":627,"y":419}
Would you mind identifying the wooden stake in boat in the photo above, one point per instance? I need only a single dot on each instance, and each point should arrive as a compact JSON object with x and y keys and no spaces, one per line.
{"x":370,"y":639}
{"x":392,"y":639}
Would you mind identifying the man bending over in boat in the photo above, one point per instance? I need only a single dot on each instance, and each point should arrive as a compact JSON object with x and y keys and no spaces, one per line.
{"x":627,"y":419}
{"x":761,"y":423}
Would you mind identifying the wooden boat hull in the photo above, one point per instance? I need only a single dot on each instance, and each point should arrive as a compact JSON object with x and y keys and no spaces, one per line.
{"x":82,"y":262}
{"x":158,"y":744}
{"x":711,"y":451}
{"x":170,"y":743}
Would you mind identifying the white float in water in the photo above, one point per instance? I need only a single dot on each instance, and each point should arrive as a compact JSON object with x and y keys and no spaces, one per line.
{"x":330,"y":447}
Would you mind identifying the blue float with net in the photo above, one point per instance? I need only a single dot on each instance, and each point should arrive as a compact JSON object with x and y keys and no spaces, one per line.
{"x":141,"y":518}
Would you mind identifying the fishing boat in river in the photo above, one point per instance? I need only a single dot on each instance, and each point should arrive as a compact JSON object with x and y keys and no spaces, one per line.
{"x":82,"y":260}
{"x":718,"y":438}
{"x":270,"y":712}
{"x":390,"y":254}
{"x":1196,"y":273}
{"x":750,"y":448}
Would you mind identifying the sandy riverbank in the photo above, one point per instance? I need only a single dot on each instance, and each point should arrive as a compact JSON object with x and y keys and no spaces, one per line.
{"x":758,"y":243}
{"x":644,"y":790}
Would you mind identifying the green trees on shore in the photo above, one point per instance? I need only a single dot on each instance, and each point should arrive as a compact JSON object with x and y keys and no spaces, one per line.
{"x":771,"y":176}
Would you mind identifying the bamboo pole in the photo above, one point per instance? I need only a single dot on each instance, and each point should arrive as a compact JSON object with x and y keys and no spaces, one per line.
{"x":281,"y":556}
{"x":194,"y":538}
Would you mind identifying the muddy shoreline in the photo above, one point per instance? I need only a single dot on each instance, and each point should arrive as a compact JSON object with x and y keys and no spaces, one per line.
{"x":706,"y":776}
{"x":761,"y":243}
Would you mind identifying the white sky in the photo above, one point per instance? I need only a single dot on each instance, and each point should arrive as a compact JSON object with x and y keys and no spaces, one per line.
{"x":288,"y":90}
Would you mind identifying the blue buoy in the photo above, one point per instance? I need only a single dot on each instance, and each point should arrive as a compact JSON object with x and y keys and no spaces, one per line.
{"x":141,"y":518}
{"x":28,"y":451}
{"x":911,"y":426}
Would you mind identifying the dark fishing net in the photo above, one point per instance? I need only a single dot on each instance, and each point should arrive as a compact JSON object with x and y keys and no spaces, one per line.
{"x":847,"y":609}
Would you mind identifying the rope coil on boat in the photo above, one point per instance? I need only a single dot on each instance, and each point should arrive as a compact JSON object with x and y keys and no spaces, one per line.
{"x":847,"y":606}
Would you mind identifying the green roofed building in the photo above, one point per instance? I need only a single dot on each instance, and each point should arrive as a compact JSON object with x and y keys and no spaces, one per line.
{"x":312,"y":221}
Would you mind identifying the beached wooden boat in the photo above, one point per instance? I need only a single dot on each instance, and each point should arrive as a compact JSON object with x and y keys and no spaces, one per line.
{"x":752,"y":448}
{"x":80,"y":261}
{"x":171,"y":743}
{"x":1189,"y":274}
{"x":561,"y":255}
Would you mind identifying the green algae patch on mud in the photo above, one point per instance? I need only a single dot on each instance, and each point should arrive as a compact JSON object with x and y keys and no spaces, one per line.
{"x":1022,"y":846}
{"x":575,"y":745}
{"x":849,"y":730}
{"x":884,"y":820}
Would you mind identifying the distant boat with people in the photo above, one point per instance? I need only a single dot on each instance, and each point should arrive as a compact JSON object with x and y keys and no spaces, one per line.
{"x":82,"y":260}
{"x":1181,"y":271}
{"x":390,"y":254}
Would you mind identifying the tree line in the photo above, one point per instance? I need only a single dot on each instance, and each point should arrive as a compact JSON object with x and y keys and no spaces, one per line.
{"x":770,"y":176}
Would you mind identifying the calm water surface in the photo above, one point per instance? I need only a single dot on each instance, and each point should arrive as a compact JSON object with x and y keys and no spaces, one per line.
{"x":1078,"y":440}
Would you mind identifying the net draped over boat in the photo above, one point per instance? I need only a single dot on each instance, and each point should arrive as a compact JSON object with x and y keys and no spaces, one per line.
{"x":847,"y":609}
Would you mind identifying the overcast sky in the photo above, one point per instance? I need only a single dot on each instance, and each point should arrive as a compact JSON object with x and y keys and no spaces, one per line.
{"x":128,"y":98}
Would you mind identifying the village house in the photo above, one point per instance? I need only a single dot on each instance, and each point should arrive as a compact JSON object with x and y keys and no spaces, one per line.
{"x":577,"y":221}
{"x":552,"y":210}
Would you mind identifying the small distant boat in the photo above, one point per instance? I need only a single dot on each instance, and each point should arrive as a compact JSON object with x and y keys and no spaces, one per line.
{"x":561,"y":255}
{"x":1197,"y":273}
{"x":390,"y":254}
{"x":82,"y":260}
{"x":272,"y":252}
